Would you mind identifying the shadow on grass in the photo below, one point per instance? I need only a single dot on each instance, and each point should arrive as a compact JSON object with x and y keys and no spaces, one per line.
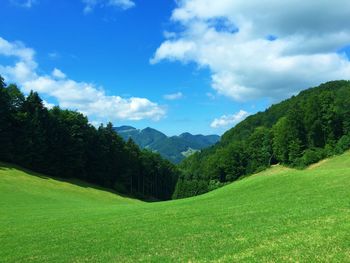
{"x":7,"y":166}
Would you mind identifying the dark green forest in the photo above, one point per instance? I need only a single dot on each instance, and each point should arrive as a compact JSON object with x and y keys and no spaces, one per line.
{"x":63,"y":144}
{"x":296,"y":132}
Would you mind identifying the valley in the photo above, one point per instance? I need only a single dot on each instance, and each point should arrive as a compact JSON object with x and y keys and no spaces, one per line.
{"x":279,"y":215}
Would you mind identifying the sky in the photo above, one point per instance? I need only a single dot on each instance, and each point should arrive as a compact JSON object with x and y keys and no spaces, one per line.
{"x":198,"y":66}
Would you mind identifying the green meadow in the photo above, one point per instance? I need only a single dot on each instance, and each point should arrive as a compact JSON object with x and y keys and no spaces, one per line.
{"x":279,"y":215}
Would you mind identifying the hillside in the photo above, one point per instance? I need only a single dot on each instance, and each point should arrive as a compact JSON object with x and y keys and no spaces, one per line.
{"x":296,"y":132}
{"x":63,"y":143}
{"x":279,"y":215}
{"x":174,"y":148}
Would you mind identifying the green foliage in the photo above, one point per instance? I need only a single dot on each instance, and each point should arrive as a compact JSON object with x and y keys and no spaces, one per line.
{"x":343,"y":144}
{"x":279,"y":215}
{"x":296,"y":132}
{"x":281,"y":139}
{"x":213,"y":185}
{"x":62,"y":143}
{"x":5,"y":125}
{"x":259,"y":147}
{"x":312,"y":155}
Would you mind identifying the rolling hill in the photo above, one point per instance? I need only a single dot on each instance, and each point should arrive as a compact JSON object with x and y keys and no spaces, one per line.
{"x":278,"y":215}
{"x":296,"y":132}
{"x":174,"y":148}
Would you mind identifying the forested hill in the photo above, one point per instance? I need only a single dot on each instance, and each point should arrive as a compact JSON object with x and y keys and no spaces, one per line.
{"x":62,"y":143}
{"x":174,"y":149}
{"x":296,"y":132}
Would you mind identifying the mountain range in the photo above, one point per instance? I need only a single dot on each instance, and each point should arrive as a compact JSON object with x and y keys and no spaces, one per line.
{"x":174,"y":148}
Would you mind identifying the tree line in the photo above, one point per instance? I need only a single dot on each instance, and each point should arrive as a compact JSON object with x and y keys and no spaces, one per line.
{"x":62,"y":143}
{"x":296,"y":132}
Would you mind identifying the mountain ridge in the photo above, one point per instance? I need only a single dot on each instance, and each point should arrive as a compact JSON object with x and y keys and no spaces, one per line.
{"x":173,"y":148}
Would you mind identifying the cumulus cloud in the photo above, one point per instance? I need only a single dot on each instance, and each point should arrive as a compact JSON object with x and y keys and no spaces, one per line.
{"x":58,"y":74}
{"x":257,"y":49}
{"x":84,"y":97}
{"x":91,"y":4}
{"x":174,"y":96}
{"x":229,"y":120}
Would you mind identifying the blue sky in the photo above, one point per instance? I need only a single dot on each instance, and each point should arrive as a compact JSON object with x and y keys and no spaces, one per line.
{"x":189,"y":69}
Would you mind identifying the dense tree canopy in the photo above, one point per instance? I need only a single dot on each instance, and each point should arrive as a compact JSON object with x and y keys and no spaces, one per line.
{"x":62,"y":143}
{"x":296,"y":132}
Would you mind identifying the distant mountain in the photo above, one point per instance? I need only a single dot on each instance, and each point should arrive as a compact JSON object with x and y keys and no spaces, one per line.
{"x":175,"y":148}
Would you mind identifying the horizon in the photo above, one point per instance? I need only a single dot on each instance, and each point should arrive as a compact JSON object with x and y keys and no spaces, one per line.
{"x":171,"y":65}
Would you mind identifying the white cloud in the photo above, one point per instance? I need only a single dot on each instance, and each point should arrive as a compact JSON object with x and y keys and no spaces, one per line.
{"x":16,"y":49}
{"x":174,"y":96}
{"x":168,"y":34}
{"x":48,"y":105}
{"x":229,"y":120}
{"x":182,"y":51}
{"x":125,"y":4}
{"x":58,"y":74}
{"x":81,"y":96}
{"x":230,"y":37}
{"x":91,"y":4}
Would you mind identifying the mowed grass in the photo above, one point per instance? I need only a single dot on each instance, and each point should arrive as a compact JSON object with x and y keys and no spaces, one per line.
{"x":279,"y":215}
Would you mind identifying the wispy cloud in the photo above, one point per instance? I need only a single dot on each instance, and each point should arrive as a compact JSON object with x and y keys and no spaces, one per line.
{"x":91,"y":4}
{"x":24,"y":3}
{"x":53,"y":55}
{"x":84,"y":97}
{"x":229,"y":120}
{"x":173,"y":96}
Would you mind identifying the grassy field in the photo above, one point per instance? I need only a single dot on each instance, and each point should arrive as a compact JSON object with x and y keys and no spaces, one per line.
{"x":280,"y":215}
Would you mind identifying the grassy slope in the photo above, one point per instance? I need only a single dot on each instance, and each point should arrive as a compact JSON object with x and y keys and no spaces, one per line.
{"x":279,"y":215}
